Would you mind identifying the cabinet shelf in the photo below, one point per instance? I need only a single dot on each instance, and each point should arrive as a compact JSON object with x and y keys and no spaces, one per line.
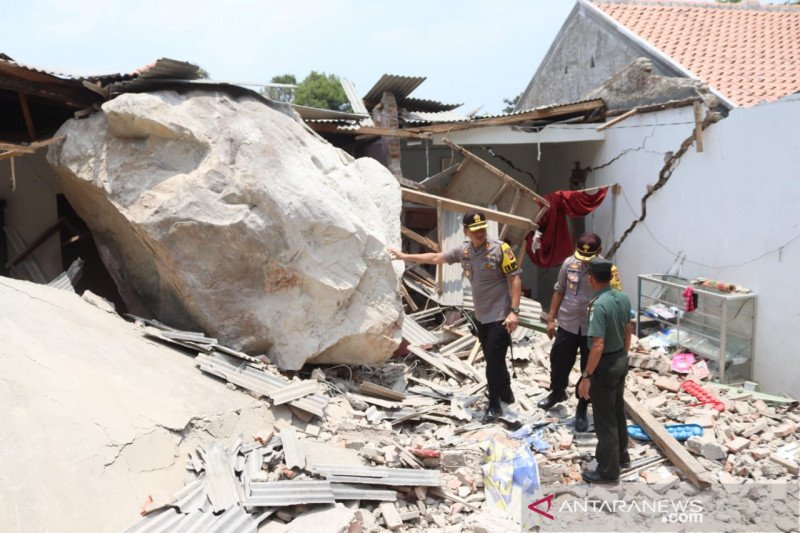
{"x":721,"y":328}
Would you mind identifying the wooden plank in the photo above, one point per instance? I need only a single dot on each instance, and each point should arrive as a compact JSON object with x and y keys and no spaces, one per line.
{"x":616,"y":120}
{"x":533,"y":114}
{"x":96,"y":87}
{"x":72,"y":96}
{"x":372,"y":389}
{"x":675,"y":452}
{"x":440,"y":238}
{"x":407,"y":297}
{"x":469,"y":156}
{"x":503,"y":188}
{"x":26,"y":114}
{"x":698,"y":127}
{"x":461,"y":207}
{"x":514,"y":206}
{"x":473,"y":354}
{"x":38,"y":241}
{"x":432,"y":360}
{"x":416,"y":237}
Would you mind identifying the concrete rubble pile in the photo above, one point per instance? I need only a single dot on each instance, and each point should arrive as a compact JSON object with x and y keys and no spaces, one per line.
{"x":227,"y":214}
{"x":419,"y":418}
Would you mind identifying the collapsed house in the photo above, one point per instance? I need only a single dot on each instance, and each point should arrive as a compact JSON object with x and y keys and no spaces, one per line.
{"x":401,"y":446}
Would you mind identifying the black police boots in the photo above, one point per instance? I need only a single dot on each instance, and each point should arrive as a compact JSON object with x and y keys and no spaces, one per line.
{"x":581,"y":420}
{"x":551,"y":399}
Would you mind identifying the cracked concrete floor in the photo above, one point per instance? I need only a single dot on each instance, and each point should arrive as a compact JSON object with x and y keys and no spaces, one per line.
{"x":94,"y":416}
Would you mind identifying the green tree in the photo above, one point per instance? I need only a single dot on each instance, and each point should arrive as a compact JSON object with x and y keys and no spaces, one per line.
{"x":321,"y":90}
{"x":281,"y":94}
{"x":203,"y":73}
{"x":511,"y":103}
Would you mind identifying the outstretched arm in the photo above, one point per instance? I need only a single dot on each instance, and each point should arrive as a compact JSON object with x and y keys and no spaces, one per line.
{"x":431,"y":258}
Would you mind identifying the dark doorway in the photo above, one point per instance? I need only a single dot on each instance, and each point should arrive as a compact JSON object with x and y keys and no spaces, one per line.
{"x":77,"y":241}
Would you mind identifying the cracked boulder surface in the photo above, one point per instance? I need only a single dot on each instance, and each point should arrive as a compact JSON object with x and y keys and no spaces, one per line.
{"x":94,"y":416}
{"x":224,"y":215}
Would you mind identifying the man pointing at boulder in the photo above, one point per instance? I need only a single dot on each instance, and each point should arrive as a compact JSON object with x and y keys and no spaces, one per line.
{"x":494,"y":272}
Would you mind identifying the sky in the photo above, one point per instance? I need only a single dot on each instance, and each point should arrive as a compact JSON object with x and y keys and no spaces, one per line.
{"x":475,"y":52}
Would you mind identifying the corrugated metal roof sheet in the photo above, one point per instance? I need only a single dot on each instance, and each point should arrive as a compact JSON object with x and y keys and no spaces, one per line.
{"x":222,"y":485}
{"x":415,"y":117}
{"x":421,"y":104}
{"x":400,"y":86}
{"x":285,"y":493}
{"x":539,"y":108}
{"x":257,"y":380}
{"x":356,"y":103}
{"x":193,"y":497}
{"x":416,"y":334}
{"x":343,"y":491}
{"x":169,"y":68}
{"x":375,"y":475}
{"x":233,"y":520}
{"x":316,"y":114}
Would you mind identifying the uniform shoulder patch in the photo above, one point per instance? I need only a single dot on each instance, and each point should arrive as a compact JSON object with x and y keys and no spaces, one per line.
{"x":616,"y":283}
{"x":510,"y":263}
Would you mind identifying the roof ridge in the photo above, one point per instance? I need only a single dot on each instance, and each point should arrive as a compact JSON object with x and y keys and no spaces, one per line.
{"x":746,"y":5}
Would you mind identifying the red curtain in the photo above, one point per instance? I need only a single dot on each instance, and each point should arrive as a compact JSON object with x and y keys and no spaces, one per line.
{"x":556,"y":243}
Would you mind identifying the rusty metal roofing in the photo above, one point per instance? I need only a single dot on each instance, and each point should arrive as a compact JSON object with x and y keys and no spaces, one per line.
{"x":400,"y":86}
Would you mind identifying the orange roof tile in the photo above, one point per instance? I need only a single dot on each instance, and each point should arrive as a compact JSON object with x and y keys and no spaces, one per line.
{"x":749,"y":54}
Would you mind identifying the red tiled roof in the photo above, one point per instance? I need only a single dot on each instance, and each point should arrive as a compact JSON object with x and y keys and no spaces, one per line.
{"x":748,"y":53}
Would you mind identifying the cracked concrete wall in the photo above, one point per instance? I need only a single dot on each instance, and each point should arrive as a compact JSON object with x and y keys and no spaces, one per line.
{"x":95,"y":417}
{"x":730,"y":208}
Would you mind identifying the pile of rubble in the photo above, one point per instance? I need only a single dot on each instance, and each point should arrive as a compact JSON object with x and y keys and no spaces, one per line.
{"x":403,"y":445}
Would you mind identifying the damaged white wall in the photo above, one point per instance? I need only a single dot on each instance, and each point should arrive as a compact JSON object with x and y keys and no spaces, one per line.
{"x":31,"y":208}
{"x":731,"y":209}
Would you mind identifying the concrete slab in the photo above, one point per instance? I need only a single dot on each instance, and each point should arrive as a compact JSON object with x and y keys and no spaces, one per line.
{"x":83,"y":396}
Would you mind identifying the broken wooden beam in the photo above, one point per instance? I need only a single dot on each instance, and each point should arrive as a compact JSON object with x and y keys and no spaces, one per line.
{"x":416,"y":237}
{"x":26,"y":114}
{"x":41,"y":238}
{"x":460,"y":207}
{"x":616,"y":120}
{"x":432,"y":360}
{"x":698,"y":127}
{"x":578,"y":108}
{"x":675,"y":452}
{"x":382,"y":392}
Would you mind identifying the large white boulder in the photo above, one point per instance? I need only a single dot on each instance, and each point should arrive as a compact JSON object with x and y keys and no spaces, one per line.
{"x":230,"y":215}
